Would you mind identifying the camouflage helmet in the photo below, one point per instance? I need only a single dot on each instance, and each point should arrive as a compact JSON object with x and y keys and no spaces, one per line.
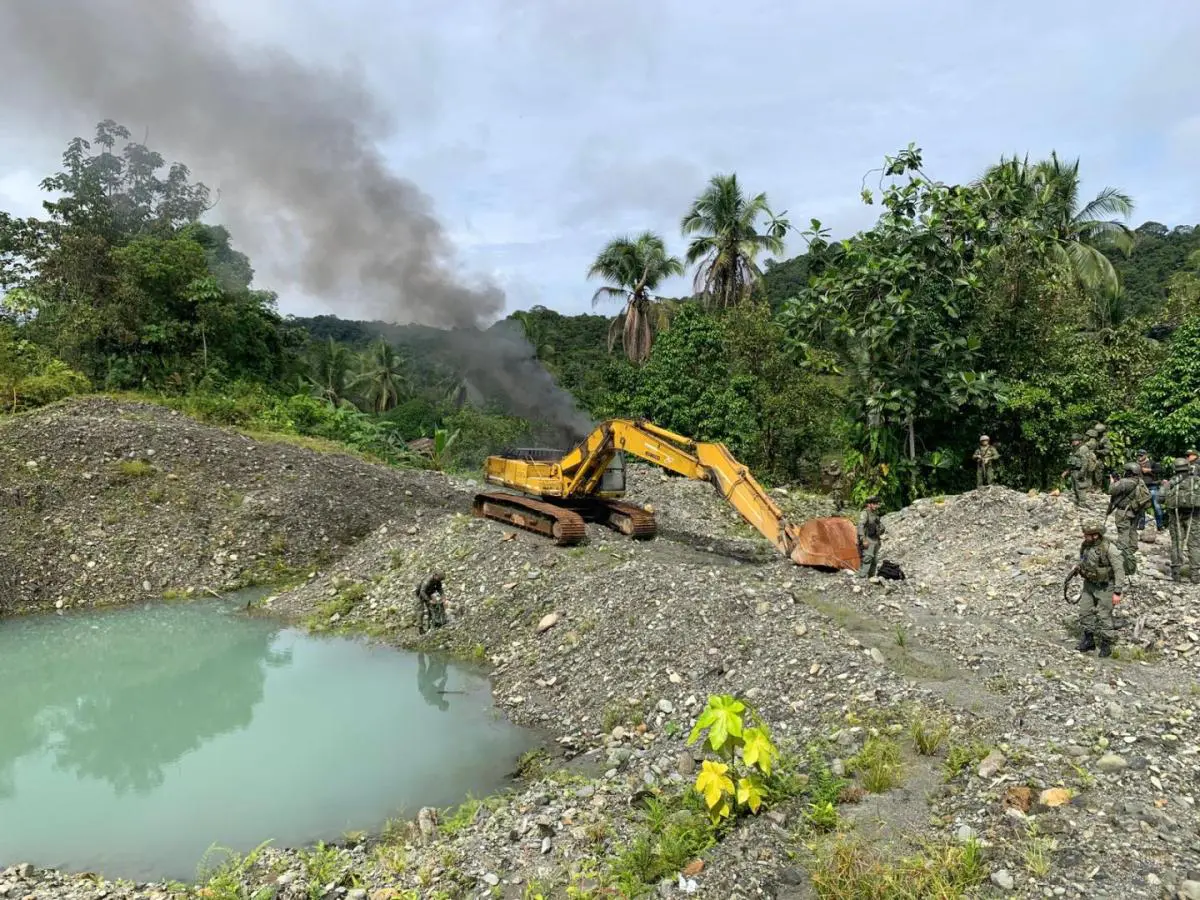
{"x":1092,"y":526}
{"x":1100,"y":427}
{"x":1077,"y":437}
{"x":1190,"y":453}
{"x":1181,"y":464}
{"x":1133,"y":469}
{"x":872,"y":499}
{"x":1142,"y":454}
{"x":983,"y":439}
{"x":438,"y":576}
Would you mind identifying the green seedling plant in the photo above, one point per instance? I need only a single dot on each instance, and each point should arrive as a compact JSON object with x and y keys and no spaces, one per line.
{"x":734,"y":781}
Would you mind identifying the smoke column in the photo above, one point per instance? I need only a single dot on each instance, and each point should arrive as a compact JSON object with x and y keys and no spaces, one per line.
{"x":292,"y":147}
{"x":294,"y":150}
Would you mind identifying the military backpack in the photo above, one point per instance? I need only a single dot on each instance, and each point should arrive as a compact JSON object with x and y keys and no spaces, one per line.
{"x":1182,"y":494}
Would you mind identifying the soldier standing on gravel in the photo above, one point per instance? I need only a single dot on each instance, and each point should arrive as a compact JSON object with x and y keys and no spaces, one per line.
{"x":1103,"y":572}
{"x":1128,"y":497}
{"x":430,"y":612}
{"x":1152,"y":475}
{"x":870,"y":538}
{"x":985,"y":457}
{"x":1181,"y":497}
{"x":1077,"y":463}
{"x":837,"y":484}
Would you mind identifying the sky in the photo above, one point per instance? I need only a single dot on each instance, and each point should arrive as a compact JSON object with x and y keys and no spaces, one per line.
{"x":540,"y":129}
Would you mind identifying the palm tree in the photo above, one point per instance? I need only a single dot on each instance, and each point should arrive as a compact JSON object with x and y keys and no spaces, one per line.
{"x":634,"y":267}
{"x":331,"y":370}
{"x":1080,"y":233}
{"x":384,"y":377}
{"x":727,"y":242}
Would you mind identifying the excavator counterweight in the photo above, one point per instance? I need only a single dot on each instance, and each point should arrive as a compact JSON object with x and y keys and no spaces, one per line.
{"x":555,"y":493}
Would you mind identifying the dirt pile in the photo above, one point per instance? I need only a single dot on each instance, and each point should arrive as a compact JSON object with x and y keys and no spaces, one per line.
{"x":104,"y":501}
{"x":953,"y":702}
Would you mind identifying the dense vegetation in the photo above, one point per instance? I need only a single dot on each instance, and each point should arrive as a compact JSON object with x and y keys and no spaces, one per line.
{"x":1009,"y":305}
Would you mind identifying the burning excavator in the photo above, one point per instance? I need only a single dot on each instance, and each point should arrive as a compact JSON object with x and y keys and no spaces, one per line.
{"x":553,"y":493}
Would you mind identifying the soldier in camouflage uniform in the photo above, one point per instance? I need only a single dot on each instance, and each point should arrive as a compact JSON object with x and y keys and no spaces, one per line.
{"x":836,"y":480}
{"x":1193,"y":461}
{"x":1128,"y":498}
{"x":870,"y":538}
{"x":430,"y":612}
{"x":1103,"y":572}
{"x":1181,"y":499}
{"x":1077,"y":463}
{"x":1091,"y":470}
{"x":985,"y":458}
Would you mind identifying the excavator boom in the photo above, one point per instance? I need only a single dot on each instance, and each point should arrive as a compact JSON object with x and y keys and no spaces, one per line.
{"x":580,"y":482}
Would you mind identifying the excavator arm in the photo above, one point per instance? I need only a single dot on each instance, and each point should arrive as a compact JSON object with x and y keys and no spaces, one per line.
{"x":819,"y":542}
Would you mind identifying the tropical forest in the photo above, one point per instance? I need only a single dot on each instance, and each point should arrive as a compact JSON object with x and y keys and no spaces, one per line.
{"x":1014,"y":305}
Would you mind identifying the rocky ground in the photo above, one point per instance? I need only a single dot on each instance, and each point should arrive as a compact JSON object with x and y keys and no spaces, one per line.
{"x":980,"y":754}
{"x":106,"y":501}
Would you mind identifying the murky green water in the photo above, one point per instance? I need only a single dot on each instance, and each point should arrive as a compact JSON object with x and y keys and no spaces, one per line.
{"x":133,"y":740}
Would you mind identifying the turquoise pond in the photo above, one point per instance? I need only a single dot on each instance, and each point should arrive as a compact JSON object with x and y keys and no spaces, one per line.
{"x":133,"y":740}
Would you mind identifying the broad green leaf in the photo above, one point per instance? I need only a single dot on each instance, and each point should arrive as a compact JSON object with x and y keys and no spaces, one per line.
{"x":757,"y":749}
{"x":713,"y":783}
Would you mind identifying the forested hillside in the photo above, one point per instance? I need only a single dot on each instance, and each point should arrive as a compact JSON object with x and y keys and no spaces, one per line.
{"x":1009,"y":305}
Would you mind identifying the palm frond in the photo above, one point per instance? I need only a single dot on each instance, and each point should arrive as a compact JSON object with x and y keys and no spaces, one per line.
{"x":1091,"y":267}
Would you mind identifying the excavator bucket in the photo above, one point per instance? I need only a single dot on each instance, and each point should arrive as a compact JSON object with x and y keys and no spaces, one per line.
{"x":830,"y":543}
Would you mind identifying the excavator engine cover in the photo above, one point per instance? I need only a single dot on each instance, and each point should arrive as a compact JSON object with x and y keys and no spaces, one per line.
{"x":827,"y":543}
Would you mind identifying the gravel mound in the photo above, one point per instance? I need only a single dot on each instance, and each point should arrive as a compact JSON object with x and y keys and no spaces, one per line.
{"x":105,"y":502}
{"x":1077,"y":776}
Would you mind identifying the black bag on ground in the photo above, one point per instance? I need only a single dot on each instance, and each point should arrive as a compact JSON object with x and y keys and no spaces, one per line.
{"x":889,"y":569}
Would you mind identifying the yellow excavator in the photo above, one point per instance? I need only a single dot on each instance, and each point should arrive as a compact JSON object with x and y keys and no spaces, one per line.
{"x":553,"y":493}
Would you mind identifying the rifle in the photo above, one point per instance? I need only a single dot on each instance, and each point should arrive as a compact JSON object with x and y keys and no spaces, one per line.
{"x":1067,"y":582}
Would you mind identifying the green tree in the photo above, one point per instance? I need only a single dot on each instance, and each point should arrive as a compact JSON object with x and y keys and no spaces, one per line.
{"x":1082,"y":231}
{"x":331,"y":368}
{"x":1168,"y":405}
{"x":634,"y":268}
{"x":895,"y":306}
{"x":726,"y":242}
{"x":384,"y":377}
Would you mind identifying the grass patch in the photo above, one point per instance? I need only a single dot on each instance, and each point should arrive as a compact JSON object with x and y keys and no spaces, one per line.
{"x":877,"y":764}
{"x":340,"y":605}
{"x":323,"y":865}
{"x":225,"y":880}
{"x":461,"y":818}
{"x":675,"y":831}
{"x":962,"y":756}
{"x":1037,"y":850}
{"x":392,"y":858}
{"x":532,"y":765}
{"x":135,"y":468}
{"x":928,"y":733}
{"x":850,"y":870}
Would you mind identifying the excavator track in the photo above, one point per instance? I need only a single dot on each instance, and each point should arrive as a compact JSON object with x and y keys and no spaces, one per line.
{"x":564,"y":525}
{"x":627,"y":518}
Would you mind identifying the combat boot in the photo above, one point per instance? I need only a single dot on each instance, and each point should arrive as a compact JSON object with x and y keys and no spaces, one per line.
{"x":1105,"y":647}
{"x":1086,"y":643}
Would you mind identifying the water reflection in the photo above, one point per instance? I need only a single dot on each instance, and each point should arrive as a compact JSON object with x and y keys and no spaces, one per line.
{"x":431,"y":681}
{"x":143,"y":709}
